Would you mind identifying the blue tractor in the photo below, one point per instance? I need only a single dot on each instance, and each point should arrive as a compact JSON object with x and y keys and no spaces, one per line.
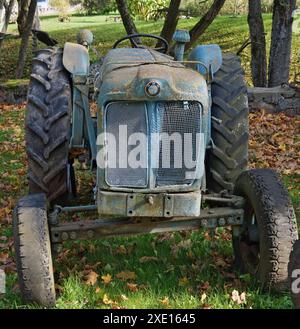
{"x":168,"y":146}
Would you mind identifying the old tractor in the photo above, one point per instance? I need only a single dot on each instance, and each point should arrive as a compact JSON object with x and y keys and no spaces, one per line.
{"x":168,"y":147}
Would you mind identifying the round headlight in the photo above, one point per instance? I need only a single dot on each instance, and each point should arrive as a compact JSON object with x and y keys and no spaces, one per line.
{"x":152,"y":88}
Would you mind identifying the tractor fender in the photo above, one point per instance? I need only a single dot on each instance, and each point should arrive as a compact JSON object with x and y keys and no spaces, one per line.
{"x":76,"y":59}
{"x":209,"y":55}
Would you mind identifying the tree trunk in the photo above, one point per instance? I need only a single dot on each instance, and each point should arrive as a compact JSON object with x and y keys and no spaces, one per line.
{"x":204,"y":22}
{"x":22,"y":15}
{"x":258,"y":44}
{"x":2,"y":14}
{"x":36,"y":26}
{"x":171,"y":21}
{"x":8,"y":11}
{"x":25,"y":39}
{"x":126,"y":17}
{"x":280,"y":54}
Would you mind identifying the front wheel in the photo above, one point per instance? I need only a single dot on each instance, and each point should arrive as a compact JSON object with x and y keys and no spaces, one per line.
{"x":33,"y":251}
{"x":263,"y":246}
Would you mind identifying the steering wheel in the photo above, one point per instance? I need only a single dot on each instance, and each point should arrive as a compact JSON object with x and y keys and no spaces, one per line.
{"x":132,"y":37}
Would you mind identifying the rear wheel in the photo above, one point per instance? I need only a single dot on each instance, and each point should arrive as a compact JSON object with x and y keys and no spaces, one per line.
{"x":228,"y":157}
{"x":33,"y":250}
{"x":48,"y":123}
{"x":263,"y":246}
{"x":294,"y":274}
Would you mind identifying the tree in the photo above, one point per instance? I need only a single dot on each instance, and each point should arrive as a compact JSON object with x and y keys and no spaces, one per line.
{"x":97,"y":6}
{"x":258,"y":44}
{"x":8,"y":6}
{"x":204,"y":22}
{"x":280,"y":53}
{"x":126,"y":17}
{"x":25,"y":38}
{"x":22,"y":15}
{"x":171,"y":21}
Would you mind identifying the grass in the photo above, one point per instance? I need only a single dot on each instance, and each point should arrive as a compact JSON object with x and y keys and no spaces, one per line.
{"x":180,"y":269}
{"x":13,"y":83}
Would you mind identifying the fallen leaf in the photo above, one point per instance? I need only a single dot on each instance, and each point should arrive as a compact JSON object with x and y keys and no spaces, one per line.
{"x":124,"y":298}
{"x":133,"y":287}
{"x":126,"y":275}
{"x":237,"y":298}
{"x":106,"y":278}
{"x":183,"y":281}
{"x":106,"y":300}
{"x":203,"y":298}
{"x":204,"y":286}
{"x":98,"y":290}
{"x":121,"y":250}
{"x":165,"y":302}
{"x":147,"y":259}
{"x":91,"y":278}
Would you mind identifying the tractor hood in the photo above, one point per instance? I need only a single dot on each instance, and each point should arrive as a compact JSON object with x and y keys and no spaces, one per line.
{"x":126,"y":72}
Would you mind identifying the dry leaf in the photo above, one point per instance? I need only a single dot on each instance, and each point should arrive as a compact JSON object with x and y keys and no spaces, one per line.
{"x":98,"y":290}
{"x":132,"y":287}
{"x":203,"y":298}
{"x":183,"y":281}
{"x":237,"y":298}
{"x":106,"y":278}
{"x":165,"y":302}
{"x":124,"y":298}
{"x":147,"y":259}
{"x":126,"y":275}
{"x":91,"y":278}
{"x":106,"y":300}
{"x":121,"y":250}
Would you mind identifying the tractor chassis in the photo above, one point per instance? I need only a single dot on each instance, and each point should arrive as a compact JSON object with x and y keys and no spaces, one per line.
{"x":219,"y":211}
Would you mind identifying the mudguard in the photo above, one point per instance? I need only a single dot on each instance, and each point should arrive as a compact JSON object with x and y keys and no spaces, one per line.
{"x":76,"y":59}
{"x":209,"y":55}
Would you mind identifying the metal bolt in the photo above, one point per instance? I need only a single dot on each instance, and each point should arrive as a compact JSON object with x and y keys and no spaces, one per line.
{"x":90,"y":234}
{"x":150,"y":199}
{"x":73,"y":235}
{"x":65,"y":236}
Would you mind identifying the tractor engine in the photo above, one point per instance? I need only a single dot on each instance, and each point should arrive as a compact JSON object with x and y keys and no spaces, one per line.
{"x":152,"y":135}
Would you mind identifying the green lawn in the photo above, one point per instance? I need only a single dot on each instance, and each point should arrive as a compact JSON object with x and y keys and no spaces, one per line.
{"x":182,"y":270}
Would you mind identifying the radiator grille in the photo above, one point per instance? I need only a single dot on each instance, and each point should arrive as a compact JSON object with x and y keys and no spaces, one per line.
{"x":181,"y":118}
{"x":134,"y":117}
{"x":165,"y":119}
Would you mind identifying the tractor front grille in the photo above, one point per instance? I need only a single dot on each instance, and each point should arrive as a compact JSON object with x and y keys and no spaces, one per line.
{"x":183,"y":120}
{"x":132,"y":117}
{"x":164,"y":159}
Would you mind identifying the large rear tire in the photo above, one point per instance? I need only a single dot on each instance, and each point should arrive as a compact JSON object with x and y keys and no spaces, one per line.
{"x":33,"y":251}
{"x":263,"y":246}
{"x":48,"y":122}
{"x":228,"y":157}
